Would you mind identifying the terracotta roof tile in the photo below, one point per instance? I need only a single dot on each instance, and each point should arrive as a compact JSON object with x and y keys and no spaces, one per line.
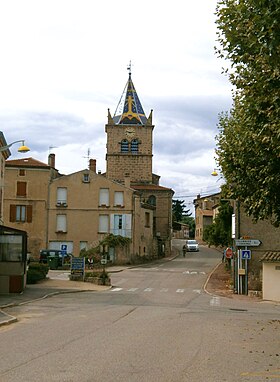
{"x":26,"y":162}
{"x":271,"y":256}
{"x":150,"y":187}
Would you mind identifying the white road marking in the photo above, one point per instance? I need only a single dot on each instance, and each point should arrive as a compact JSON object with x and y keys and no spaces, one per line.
{"x":180,"y":290}
{"x":148,"y":289}
{"x":197,"y":291}
{"x":215,"y":301}
{"x":132,"y":289}
{"x":116,"y":289}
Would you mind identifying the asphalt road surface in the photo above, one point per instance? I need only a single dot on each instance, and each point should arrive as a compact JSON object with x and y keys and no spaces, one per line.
{"x":155,"y":324}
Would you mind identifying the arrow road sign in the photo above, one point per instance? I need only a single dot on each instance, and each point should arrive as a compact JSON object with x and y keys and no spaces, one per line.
{"x":247,"y":242}
{"x":246,"y":254}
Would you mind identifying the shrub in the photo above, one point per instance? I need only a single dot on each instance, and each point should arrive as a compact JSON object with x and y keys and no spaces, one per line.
{"x":36,"y":272}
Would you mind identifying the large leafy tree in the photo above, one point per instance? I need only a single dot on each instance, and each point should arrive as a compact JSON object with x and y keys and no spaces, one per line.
{"x":219,"y":233}
{"x":248,"y":144}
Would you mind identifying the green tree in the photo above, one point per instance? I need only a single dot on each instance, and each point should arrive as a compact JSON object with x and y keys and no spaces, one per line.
{"x":248,"y":143}
{"x":191,"y":223}
{"x":178,"y":210}
{"x":219,"y":233}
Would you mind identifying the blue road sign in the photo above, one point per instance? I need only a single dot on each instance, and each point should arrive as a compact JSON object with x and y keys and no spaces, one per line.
{"x":246,"y":254}
{"x":64,"y":247}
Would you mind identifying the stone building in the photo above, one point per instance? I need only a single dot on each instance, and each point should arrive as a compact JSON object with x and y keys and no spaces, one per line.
{"x":130,"y":154}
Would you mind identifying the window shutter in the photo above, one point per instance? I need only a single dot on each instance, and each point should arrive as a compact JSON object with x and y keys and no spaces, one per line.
{"x":61,"y":223}
{"x":21,"y":188}
{"x":29,"y":214}
{"x":104,"y":196}
{"x":12,"y":213}
{"x":103,"y":223}
{"x":118,"y":198}
{"x":62,"y":194}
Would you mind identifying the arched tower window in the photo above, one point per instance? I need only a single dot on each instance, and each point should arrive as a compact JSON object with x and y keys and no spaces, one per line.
{"x":152,"y":200}
{"x":134,"y":145}
{"x":124,"y":146}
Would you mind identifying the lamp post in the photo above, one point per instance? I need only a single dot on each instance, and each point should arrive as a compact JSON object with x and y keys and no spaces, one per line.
{"x":21,"y":149}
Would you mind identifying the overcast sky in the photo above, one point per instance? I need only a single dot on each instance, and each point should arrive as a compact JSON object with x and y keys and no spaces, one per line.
{"x":64,"y":63}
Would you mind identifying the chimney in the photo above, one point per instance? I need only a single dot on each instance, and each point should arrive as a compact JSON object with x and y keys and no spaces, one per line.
{"x":51,"y":161}
{"x":127,"y":180}
{"x":92,"y":165}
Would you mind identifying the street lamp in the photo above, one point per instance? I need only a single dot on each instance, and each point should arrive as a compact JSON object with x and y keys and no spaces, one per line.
{"x":214,"y":173}
{"x":21,"y":149}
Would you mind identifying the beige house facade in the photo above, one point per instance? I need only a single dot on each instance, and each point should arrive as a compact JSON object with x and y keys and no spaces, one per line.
{"x":84,"y":207}
{"x":27,"y":183}
{"x":204,"y":213}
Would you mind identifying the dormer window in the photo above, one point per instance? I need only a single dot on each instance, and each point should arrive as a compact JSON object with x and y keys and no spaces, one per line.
{"x":86,"y":177}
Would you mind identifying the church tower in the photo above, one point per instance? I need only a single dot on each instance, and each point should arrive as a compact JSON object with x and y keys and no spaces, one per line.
{"x":129,"y":140}
{"x":129,"y":161}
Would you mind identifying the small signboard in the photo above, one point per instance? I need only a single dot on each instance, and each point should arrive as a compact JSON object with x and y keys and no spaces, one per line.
{"x":103,"y":261}
{"x":229,"y":253}
{"x":246,"y":254}
{"x":247,"y":242}
{"x":77,"y":266}
{"x":63,"y":249}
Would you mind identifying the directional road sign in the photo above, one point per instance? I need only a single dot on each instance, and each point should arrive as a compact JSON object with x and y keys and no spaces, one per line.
{"x":247,"y":242}
{"x":246,"y":254}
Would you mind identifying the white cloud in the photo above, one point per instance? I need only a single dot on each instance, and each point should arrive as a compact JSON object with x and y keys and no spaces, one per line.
{"x":63,"y":64}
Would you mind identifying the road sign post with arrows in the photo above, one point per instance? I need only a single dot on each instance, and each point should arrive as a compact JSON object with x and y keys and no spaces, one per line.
{"x":244,"y":255}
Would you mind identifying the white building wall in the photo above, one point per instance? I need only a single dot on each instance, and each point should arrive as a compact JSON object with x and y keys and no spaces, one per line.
{"x":271,"y":281}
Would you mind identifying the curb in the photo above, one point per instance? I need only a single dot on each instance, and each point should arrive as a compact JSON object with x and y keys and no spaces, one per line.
{"x":208,"y":278}
{"x":9,"y":320}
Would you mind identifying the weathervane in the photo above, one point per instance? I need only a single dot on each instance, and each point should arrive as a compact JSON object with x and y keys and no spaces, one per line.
{"x":129,"y":68}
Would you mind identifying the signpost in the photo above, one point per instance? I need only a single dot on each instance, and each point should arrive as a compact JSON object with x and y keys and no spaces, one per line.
{"x":242,"y":260}
{"x":246,"y":254}
{"x":63,"y":251}
{"x":247,"y":242}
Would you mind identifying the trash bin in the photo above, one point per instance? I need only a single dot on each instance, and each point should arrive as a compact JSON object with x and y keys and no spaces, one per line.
{"x":53,"y":262}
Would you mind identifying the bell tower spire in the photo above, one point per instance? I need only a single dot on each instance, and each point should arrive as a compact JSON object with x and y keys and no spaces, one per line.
{"x":129,"y":139}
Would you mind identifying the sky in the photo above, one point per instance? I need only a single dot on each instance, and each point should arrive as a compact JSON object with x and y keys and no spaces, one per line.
{"x":64,"y":64}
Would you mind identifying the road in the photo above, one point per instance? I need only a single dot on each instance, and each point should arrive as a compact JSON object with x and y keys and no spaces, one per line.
{"x":155,"y":324}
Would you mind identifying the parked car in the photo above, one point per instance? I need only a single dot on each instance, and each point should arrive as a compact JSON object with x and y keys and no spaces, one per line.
{"x":192,"y":246}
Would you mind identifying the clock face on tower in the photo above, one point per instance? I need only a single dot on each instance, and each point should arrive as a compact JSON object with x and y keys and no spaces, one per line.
{"x":129,"y":132}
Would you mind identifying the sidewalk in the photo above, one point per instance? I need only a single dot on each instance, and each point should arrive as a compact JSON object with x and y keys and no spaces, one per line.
{"x":57,"y":282}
